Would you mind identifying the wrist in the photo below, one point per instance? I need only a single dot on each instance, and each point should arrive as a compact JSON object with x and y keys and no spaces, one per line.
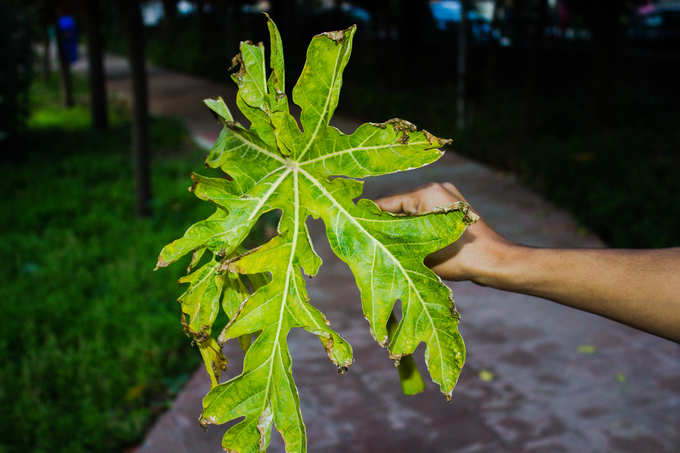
{"x":501,"y":266}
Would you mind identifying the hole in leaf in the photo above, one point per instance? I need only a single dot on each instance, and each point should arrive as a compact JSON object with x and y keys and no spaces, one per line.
{"x":264,"y":229}
{"x":397,"y":310}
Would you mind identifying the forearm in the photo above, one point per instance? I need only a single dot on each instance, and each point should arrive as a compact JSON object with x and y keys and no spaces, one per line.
{"x":640,"y":288}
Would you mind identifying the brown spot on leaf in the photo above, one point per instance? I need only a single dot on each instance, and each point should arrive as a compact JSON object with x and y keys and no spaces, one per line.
{"x":203,"y":422}
{"x":434,"y":140}
{"x":160,"y":263}
{"x":264,"y":425}
{"x":202,"y":335}
{"x":237,"y":60}
{"x":183,"y":321}
{"x":219,"y":366}
{"x":336,"y":36}
{"x":396,"y":358}
{"x":402,"y":125}
{"x":469,"y":217}
{"x":327,"y":343}
{"x":339,"y":35}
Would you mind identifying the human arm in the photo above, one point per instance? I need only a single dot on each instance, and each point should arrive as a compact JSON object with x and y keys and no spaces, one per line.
{"x":640,"y":288}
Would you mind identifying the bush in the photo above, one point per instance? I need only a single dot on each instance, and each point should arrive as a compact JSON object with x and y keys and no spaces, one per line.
{"x":92,"y":346}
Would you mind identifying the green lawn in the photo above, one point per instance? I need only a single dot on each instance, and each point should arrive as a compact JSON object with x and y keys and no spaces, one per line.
{"x":92,"y":348}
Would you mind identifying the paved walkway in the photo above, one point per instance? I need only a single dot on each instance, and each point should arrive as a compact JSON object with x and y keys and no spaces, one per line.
{"x":620,"y":393}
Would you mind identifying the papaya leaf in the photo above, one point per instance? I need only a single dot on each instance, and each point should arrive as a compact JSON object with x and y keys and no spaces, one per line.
{"x":313,"y":171}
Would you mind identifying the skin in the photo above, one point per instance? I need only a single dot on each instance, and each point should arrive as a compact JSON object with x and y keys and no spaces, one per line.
{"x":640,"y":288}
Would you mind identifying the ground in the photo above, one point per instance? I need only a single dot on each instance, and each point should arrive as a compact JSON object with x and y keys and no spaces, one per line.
{"x":539,"y":377}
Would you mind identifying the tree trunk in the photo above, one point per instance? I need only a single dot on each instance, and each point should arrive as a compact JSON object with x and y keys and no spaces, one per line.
{"x":462,"y":54}
{"x":46,"y":16}
{"x":100,"y":120}
{"x":47,"y":56}
{"x":64,"y":70}
{"x":140,"y":118}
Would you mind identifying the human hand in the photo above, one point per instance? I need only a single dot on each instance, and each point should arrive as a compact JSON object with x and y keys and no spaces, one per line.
{"x":636,"y":287}
{"x":478,"y":254}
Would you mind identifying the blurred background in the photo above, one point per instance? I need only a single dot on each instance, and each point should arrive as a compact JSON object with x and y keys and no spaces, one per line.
{"x":101,"y":123}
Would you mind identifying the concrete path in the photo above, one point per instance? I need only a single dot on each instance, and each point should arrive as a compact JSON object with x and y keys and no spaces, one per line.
{"x":546,"y":392}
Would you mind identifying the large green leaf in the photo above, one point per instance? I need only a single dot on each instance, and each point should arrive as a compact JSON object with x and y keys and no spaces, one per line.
{"x":274,"y":165}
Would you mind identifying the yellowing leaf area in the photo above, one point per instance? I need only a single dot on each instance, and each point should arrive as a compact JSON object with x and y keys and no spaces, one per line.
{"x":316,"y":171}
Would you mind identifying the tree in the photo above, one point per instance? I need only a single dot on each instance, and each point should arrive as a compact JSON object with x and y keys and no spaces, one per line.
{"x":462,"y":53}
{"x":64,"y":67}
{"x":95,"y":56}
{"x":42,"y":11}
{"x":140,"y":111}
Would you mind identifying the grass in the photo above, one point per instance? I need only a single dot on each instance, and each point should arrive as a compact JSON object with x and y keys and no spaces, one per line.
{"x":92,"y":349}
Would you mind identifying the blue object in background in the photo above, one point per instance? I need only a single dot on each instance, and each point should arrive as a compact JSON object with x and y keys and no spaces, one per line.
{"x":448,"y":12}
{"x":356,"y":13}
{"x":444,"y":12}
{"x":69,"y":36}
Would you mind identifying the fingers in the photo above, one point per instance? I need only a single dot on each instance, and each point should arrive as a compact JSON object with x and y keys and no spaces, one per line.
{"x":422,"y":200}
{"x":391,"y":204}
{"x":400,"y":204}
